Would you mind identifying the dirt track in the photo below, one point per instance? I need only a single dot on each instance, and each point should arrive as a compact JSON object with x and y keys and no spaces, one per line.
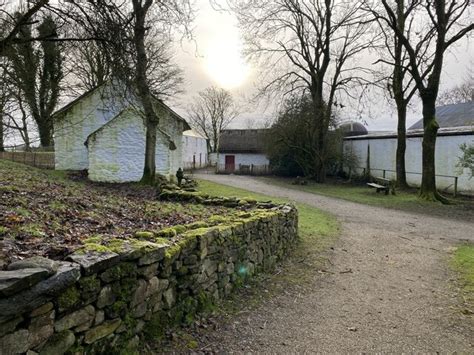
{"x":388,"y":288}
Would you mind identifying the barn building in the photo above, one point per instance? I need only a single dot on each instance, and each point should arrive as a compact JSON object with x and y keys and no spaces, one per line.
{"x":456,"y":127}
{"x":195,"y":151}
{"x":104,"y":132}
{"x":243,"y":151}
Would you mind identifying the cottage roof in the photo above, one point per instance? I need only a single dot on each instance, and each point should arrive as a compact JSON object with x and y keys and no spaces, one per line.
{"x":74,"y":102}
{"x":193,"y":133}
{"x":119,"y":115}
{"x":242,"y":141}
{"x":456,"y":115}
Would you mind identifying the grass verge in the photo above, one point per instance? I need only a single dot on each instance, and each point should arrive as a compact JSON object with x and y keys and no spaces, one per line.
{"x":463,"y":263}
{"x":403,"y":200}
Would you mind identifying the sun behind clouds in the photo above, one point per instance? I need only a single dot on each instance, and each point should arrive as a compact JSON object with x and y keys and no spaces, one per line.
{"x":224,"y":62}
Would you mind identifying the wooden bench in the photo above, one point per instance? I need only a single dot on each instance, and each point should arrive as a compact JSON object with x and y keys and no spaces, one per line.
{"x":382,"y":184}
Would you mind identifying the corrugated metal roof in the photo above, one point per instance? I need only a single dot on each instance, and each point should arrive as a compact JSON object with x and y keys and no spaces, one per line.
{"x":242,"y":141}
{"x":456,"y":115}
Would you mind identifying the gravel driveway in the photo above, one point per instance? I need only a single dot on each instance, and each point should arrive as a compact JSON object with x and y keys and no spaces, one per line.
{"x":388,"y":287}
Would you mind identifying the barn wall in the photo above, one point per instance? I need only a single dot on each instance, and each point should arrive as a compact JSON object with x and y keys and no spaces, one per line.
{"x":194,"y":147}
{"x":383,"y":155}
{"x":245,"y":159}
{"x":72,"y":129}
{"x":117,"y":152}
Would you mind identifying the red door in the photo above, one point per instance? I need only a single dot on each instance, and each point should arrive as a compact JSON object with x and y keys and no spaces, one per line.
{"x":230,"y":163}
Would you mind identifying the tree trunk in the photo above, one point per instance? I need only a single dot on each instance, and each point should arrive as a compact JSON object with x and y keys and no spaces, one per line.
{"x":401,"y":147}
{"x":45,"y":131}
{"x":141,"y":82}
{"x":2,"y":147}
{"x":428,"y":181}
{"x":149,"y":170}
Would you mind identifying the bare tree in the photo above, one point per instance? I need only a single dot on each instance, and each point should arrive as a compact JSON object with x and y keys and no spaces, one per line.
{"x":309,"y":46}
{"x":438,"y":26}
{"x":459,"y":94}
{"x":212,"y":110}
{"x":13,"y":24}
{"x":400,"y":86}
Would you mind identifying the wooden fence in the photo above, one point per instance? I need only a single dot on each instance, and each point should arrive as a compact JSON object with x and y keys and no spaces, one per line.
{"x":44,"y":160}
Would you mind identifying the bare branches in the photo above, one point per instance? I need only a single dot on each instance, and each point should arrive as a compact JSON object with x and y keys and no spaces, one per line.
{"x":211,"y":112}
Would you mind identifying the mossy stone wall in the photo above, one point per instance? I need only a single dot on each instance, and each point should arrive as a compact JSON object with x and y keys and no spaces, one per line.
{"x":104,"y":298}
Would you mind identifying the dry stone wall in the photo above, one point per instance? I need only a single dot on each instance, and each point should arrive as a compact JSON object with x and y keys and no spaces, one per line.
{"x":104,"y":297}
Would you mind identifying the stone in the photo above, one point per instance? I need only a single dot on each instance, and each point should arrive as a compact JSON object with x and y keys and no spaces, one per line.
{"x":27,"y":300}
{"x":153,"y":286}
{"x":140,"y":293}
{"x":35,"y":262}
{"x":148,"y":271}
{"x":83,"y":327}
{"x":140,"y":310}
{"x":209,"y":267}
{"x":15,"y":343}
{"x":153,"y":255}
{"x":59,"y":343}
{"x":106,"y":297}
{"x":101,"y":331}
{"x":14,"y":281}
{"x":118,"y":272}
{"x":191,"y":259}
{"x":76,"y":318}
{"x":41,"y":328}
{"x":31,"y":352}
{"x":10,"y":325}
{"x":93,"y":262}
{"x":42,"y":309}
{"x":169,"y":298}
{"x":99,"y":317}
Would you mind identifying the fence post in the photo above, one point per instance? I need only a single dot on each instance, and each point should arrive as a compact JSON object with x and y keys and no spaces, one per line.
{"x":455,"y":186}
{"x":384,"y":173}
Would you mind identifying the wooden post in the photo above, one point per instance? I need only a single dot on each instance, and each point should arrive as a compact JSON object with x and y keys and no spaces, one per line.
{"x":384,"y":173}
{"x":455,"y":186}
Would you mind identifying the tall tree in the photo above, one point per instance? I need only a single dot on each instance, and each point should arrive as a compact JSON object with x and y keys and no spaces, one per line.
{"x":400,"y":86}
{"x":212,"y":110}
{"x":439,"y":26}
{"x":309,"y":46}
{"x":37,"y":72}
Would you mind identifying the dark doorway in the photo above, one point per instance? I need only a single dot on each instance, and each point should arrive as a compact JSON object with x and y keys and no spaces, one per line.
{"x":229,"y":163}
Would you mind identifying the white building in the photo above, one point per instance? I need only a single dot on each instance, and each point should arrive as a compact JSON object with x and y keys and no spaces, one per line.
{"x":457,"y":127}
{"x":105,"y":134}
{"x":195,"y":153}
{"x":243,"y":151}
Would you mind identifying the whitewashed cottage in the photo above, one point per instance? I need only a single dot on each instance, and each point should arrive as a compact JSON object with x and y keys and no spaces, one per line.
{"x":195,"y":151}
{"x":104,"y":133}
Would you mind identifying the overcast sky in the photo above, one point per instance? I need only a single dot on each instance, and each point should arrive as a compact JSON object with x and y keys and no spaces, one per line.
{"x":219,"y":62}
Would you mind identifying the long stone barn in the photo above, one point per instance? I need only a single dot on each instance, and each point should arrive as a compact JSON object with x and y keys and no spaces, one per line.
{"x":456,"y":127}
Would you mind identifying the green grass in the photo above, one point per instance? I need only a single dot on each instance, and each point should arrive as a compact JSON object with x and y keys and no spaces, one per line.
{"x":402,"y":200}
{"x":318,"y":231}
{"x":463,"y":262}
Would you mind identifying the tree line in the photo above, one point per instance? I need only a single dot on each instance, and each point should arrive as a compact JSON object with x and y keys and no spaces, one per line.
{"x":309,"y":52}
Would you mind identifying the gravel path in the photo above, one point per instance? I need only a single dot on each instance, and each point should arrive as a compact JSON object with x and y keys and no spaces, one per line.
{"x":388,"y":288}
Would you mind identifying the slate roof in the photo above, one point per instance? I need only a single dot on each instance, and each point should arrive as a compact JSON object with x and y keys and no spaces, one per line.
{"x":242,"y":141}
{"x":457,"y":115}
{"x":71,"y":104}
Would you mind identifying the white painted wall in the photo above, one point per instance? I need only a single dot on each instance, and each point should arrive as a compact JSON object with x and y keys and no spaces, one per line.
{"x":117,"y":151}
{"x":72,"y":128}
{"x":194,"y":150}
{"x":383,"y":155}
{"x":245,"y":159}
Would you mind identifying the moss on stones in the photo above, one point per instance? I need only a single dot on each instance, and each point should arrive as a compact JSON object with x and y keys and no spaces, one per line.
{"x":69,"y":298}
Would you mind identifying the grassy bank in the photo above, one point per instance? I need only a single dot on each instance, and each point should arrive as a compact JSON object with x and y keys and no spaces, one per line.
{"x":463,"y":263}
